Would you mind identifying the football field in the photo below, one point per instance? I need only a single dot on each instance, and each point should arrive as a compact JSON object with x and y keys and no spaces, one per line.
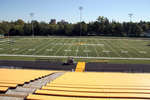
{"x":76,"y":47}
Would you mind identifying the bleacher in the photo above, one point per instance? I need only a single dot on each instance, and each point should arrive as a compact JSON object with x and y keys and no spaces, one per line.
{"x":95,"y":86}
{"x":11,"y":78}
{"x":78,"y":85}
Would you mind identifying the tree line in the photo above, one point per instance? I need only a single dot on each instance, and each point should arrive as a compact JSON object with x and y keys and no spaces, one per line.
{"x":101,"y":27}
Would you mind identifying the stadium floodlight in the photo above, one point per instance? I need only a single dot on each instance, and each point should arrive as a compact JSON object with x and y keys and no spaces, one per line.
{"x":130,"y":15}
{"x":80,"y":8}
{"x":32,"y":15}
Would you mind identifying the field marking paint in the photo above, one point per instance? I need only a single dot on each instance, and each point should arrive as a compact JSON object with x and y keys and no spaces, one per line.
{"x":111,"y":47}
{"x":123,"y":51}
{"x":103,"y":48}
{"x":75,"y":38}
{"x":120,"y":58}
{"x":132,"y":48}
{"x":49,"y":49}
{"x":143,"y":52}
{"x":47,"y":44}
{"x":93,"y":44}
{"x":53,"y":47}
{"x":82,"y":44}
{"x":59,"y":48}
{"x":26,"y":50}
{"x":15,"y":49}
{"x":106,"y":51}
{"x":40,"y":46}
{"x":77,"y":48}
{"x":122,"y":48}
{"x":4,"y":41}
{"x":31,"y":49}
{"x":69,"y":48}
{"x":86,"y":50}
{"x":95,"y":49}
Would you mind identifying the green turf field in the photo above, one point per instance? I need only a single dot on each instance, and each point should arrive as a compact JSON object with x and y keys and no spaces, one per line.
{"x":95,"y":48}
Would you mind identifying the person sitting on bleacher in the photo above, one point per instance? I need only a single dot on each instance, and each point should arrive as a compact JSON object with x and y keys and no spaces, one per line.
{"x":70,"y":61}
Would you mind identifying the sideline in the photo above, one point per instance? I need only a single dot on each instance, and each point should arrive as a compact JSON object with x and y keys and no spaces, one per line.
{"x":42,"y":56}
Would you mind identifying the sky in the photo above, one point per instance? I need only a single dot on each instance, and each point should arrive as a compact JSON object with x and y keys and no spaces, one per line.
{"x":45,"y":10}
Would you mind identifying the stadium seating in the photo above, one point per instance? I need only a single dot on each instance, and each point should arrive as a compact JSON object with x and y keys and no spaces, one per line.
{"x":10,"y":78}
{"x":3,"y":89}
{"x":46,"y":97}
{"x":95,"y":86}
{"x":81,"y":85}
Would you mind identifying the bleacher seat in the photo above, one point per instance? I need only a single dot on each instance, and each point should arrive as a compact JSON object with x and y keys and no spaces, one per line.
{"x":96,"y":86}
{"x":13,"y":77}
{"x":46,"y":97}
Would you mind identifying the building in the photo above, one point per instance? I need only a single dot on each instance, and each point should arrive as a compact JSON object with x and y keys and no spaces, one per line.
{"x":53,"y":21}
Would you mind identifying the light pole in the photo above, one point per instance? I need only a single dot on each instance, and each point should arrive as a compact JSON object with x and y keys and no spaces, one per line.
{"x":80,"y":8}
{"x":130,"y":15}
{"x":32,"y":15}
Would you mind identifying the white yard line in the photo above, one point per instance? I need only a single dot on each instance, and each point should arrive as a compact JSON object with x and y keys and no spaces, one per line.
{"x":43,"y":46}
{"x":121,"y":58}
{"x":25,"y":49}
{"x":95,"y":50}
{"x":34,"y":49}
{"x":77,"y":50}
{"x":122,"y":49}
{"x":127,"y":44}
{"x":91,"y":38}
{"x":59,"y":48}
{"x":86,"y":48}
{"x":103,"y":48}
{"x":54,"y":45}
{"x":108,"y":43}
{"x":69,"y":48}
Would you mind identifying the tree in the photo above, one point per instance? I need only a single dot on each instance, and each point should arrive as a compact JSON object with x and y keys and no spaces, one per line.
{"x":76,"y":29}
{"x":84,"y":29}
{"x":102,"y":26}
{"x":1,"y":32}
{"x":138,"y":30}
{"x":27,"y":29}
{"x":53,"y":29}
{"x":68,"y":29}
{"x":5,"y":27}
{"x":19,"y":22}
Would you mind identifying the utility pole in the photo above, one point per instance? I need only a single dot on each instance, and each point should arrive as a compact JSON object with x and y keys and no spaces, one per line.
{"x":32,"y":15}
{"x":80,"y":8}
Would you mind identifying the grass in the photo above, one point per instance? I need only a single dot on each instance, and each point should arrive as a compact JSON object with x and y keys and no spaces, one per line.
{"x":77,"y":47}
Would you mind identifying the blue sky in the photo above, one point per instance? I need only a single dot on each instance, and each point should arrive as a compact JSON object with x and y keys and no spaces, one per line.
{"x":68,"y":9}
